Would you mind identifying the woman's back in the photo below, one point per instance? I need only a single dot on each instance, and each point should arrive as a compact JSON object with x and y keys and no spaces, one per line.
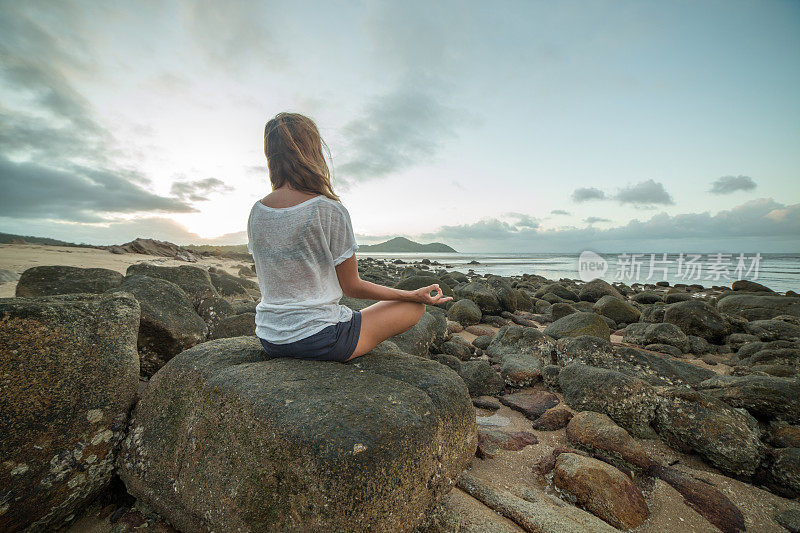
{"x":295,"y":250}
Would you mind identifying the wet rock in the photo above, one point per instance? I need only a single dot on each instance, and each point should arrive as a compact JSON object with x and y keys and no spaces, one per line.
{"x":577,"y":324}
{"x":727,"y":438}
{"x":698,"y":345}
{"x":458,"y":347}
{"x":554,"y":418}
{"x":756,"y":307}
{"x":447,"y":360}
{"x":492,"y":440}
{"x":480,"y":331}
{"x":480,"y":377}
{"x":465,"y":312}
{"x":664,"y":349}
{"x":530,"y":402}
{"x":487,"y":402}
{"x":169,"y":323}
{"x":647,"y":297}
{"x":596,"y":289}
{"x":53,"y":280}
{"x":785,"y":470}
{"x":774,"y":330}
{"x":653,"y":314}
{"x":698,"y":318}
{"x":538,"y":512}
{"x":749,"y":286}
{"x":652,"y":367}
{"x":224,"y":439}
{"x":482,"y":341}
{"x":765,"y":397}
{"x":598,"y":433}
{"x":582,"y":348}
{"x":194,"y":281}
{"x":550,"y":376}
{"x":790,"y":519}
{"x":506,"y":295}
{"x":559,"y":290}
{"x":601,"y":489}
{"x":429,"y":331}
{"x":629,"y":401}
{"x":520,"y":352}
{"x":482,"y":294}
{"x":783,"y":435}
{"x":617,"y":310}
{"x":675,"y":297}
{"x":560,"y":310}
{"x":69,"y":372}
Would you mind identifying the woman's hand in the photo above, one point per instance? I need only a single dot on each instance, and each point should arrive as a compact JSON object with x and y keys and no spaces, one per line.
{"x":424,"y":295}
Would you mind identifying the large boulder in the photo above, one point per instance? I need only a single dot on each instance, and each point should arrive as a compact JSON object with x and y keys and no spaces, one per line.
{"x":506,"y":295}
{"x":620,"y":311}
{"x":69,"y":376}
{"x":194,"y":281}
{"x":662,"y":333}
{"x":629,"y":401}
{"x":596,"y":289}
{"x":726,"y":437}
{"x":697,"y":318}
{"x":578,"y":324}
{"x":226,"y":440}
{"x":749,"y":286}
{"x":774,"y":330}
{"x":757,"y":307}
{"x":601,"y":489}
{"x":169,"y":323}
{"x":431,"y":330}
{"x":521,"y":352}
{"x":652,"y":367}
{"x":481,"y":378}
{"x":482,"y":294}
{"x":557,"y":289}
{"x":52,"y":280}
{"x":465,"y":312}
{"x":765,"y":397}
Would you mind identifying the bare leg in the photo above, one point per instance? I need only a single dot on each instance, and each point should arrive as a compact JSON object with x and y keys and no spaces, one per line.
{"x":385,"y":319}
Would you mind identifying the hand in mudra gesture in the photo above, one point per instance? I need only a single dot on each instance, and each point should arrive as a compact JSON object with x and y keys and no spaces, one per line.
{"x":424,"y":295}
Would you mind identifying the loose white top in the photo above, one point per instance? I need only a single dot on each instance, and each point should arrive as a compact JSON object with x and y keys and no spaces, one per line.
{"x":295,"y":249}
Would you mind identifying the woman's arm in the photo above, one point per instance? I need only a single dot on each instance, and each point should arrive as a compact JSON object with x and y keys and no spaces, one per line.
{"x":355,"y":287}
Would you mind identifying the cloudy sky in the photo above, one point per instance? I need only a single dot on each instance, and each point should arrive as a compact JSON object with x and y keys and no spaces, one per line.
{"x":490,"y":126}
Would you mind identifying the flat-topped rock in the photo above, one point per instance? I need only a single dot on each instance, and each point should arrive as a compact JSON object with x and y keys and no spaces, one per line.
{"x":226,"y":440}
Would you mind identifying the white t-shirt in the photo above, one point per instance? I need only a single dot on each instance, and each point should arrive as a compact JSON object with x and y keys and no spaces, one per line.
{"x":295,"y":249}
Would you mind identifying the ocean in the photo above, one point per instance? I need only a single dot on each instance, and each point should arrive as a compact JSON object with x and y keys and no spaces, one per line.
{"x":779,"y":272}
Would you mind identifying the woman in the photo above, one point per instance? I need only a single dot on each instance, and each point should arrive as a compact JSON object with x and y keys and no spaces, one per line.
{"x":301,"y":238}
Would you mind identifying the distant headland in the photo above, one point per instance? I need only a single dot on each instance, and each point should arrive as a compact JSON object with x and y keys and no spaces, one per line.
{"x":403,"y":245}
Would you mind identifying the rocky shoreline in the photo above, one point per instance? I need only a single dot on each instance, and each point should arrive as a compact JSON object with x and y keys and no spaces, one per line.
{"x":524,"y":404}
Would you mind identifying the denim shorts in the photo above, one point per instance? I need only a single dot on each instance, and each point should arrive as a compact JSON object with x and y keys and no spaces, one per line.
{"x":336,"y":342}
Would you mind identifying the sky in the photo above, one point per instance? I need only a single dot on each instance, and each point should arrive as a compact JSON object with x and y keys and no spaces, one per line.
{"x":659,"y":126}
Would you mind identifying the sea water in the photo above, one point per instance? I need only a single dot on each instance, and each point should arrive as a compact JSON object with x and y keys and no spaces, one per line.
{"x":779,"y":272}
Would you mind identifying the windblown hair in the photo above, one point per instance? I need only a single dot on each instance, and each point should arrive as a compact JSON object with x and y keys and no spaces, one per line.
{"x":293,"y":147}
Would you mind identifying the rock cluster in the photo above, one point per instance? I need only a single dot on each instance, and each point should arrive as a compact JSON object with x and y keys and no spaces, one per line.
{"x":217,"y":436}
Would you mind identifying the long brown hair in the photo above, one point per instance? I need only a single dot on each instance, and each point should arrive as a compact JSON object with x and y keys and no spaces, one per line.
{"x":293,"y":147}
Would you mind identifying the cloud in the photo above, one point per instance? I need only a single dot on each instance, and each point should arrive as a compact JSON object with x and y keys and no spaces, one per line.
{"x":559,"y":212}
{"x":592,"y":220}
{"x":33,"y":191}
{"x":398,"y":130}
{"x":198,"y":190}
{"x":521,"y":220}
{"x":645,"y":193}
{"x":729,"y":184}
{"x":584,"y":194}
{"x":760,"y":225}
